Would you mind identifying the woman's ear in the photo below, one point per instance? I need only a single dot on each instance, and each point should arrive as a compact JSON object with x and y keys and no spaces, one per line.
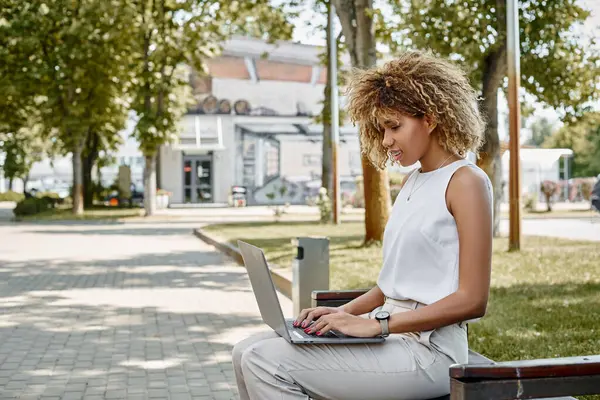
{"x":430,"y":122}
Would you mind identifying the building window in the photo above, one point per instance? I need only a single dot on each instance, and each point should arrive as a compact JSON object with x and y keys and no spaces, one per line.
{"x":311,"y":160}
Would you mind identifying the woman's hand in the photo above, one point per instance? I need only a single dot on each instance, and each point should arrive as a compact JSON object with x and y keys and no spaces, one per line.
{"x":308,"y":315}
{"x":347,"y":324}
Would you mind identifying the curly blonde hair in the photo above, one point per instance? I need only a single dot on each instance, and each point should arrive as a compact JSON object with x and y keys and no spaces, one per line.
{"x":415,"y":84}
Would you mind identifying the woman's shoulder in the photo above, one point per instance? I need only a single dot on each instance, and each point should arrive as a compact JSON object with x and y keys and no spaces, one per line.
{"x":470,"y":178}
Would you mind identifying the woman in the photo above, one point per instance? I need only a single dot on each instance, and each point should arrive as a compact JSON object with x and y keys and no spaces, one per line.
{"x":436,"y":251}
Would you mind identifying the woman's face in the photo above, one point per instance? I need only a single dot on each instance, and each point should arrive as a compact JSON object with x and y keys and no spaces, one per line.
{"x":406,"y":138}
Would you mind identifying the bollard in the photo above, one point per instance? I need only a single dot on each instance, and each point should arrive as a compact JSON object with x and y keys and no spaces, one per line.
{"x":310,"y":270}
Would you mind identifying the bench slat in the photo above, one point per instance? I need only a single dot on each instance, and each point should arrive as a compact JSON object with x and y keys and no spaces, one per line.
{"x":507,"y":389}
{"x":549,"y":367}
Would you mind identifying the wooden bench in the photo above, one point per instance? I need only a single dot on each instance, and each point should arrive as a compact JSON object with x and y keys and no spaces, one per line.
{"x":484,"y":379}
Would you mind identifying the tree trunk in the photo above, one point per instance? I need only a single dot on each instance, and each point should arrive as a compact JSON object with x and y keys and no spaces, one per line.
{"x":89,"y":160}
{"x":490,"y":157}
{"x":358,"y":30}
{"x":150,"y":185}
{"x":10,"y":184}
{"x":326,"y":170}
{"x":77,"y":179}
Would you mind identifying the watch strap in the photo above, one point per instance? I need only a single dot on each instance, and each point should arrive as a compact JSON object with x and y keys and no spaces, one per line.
{"x":385,"y":327}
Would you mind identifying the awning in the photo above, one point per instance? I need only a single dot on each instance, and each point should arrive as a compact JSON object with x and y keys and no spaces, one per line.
{"x":544,"y":158}
{"x":294,"y":129}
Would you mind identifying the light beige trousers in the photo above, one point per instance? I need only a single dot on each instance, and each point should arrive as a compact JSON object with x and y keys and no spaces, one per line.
{"x":406,"y":366}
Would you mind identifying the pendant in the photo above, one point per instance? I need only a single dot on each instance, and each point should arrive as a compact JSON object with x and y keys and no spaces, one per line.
{"x":408,"y":199}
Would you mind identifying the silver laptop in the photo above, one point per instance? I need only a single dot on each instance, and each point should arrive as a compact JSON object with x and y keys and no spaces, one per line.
{"x":270,"y":308}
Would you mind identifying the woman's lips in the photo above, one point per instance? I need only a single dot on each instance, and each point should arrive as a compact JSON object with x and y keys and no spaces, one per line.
{"x":396,"y":155}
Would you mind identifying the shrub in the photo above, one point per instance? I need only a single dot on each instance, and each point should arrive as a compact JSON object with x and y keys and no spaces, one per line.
{"x":325,"y":206}
{"x":549,"y":188}
{"x":11,"y":196}
{"x":586,"y":189}
{"x":32,"y":206}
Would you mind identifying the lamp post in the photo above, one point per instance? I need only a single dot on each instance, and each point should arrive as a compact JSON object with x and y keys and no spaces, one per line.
{"x":514,"y":115}
{"x":335,"y":128}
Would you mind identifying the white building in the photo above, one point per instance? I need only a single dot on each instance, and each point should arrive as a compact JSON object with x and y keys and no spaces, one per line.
{"x":538,"y":165}
{"x":254,"y":126}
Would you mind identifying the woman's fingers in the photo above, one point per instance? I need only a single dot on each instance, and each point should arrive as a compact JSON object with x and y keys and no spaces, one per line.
{"x":302,"y":316}
{"x":319,"y":324}
{"x":313,"y":313}
{"x":325,"y":329}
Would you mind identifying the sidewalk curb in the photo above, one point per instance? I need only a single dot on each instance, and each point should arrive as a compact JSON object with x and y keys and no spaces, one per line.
{"x":282,"y":282}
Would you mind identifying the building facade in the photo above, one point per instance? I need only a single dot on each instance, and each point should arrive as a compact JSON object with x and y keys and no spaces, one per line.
{"x":254,"y":126}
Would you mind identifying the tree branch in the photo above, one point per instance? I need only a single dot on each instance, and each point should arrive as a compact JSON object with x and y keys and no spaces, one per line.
{"x":345,"y":10}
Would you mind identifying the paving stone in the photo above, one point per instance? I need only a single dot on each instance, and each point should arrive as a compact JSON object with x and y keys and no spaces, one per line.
{"x":120,"y":311}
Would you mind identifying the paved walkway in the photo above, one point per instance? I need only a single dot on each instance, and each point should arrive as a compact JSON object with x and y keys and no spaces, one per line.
{"x":578,"y":229}
{"x":119,"y":311}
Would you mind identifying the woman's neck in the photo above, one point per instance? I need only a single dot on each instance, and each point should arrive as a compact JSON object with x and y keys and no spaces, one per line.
{"x":436,"y":158}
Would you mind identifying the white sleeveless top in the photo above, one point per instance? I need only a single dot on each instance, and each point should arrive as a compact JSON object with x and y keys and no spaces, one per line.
{"x":420,"y":242}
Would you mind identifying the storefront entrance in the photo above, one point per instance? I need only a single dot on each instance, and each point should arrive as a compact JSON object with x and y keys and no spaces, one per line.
{"x":197,"y":179}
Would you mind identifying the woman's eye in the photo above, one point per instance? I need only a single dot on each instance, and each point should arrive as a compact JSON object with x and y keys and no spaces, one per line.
{"x":394,"y":128}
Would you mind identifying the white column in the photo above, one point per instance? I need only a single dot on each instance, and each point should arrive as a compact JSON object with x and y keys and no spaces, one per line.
{"x":259,"y":165}
{"x":566,"y":175}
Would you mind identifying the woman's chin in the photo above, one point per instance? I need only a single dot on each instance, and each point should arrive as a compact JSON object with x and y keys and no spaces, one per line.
{"x":404,"y":162}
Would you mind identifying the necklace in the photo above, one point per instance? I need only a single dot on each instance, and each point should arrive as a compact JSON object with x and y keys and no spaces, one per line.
{"x":413,"y":190}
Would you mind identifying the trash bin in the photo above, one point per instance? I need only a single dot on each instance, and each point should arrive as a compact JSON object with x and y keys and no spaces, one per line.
{"x":310,"y":270}
{"x":238,"y":196}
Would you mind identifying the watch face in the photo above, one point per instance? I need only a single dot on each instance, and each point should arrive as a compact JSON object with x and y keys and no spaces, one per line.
{"x":382,"y":315}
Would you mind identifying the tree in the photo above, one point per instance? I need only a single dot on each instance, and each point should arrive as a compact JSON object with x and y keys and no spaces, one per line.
{"x":22,"y":149}
{"x":583,"y":137}
{"x":74,"y":56}
{"x":555,"y":66}
{"x":358,"y":28}
{"x":549,"y":189}
{"x":323,"y":7}
{"x":541,"y":129}
{"x":172,"y":38}
{"x":327,"y":150}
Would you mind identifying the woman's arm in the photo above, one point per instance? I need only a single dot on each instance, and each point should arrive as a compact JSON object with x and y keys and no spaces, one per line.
{"x":374,"y":297}
{"x":470,"y":202}
{"x":364,"y":303}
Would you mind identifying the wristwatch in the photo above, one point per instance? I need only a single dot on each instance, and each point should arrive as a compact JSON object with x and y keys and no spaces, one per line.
{"x":383,"y":317}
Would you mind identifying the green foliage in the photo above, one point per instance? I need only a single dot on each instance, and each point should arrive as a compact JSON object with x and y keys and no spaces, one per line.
{"x":32,"y":206}
{"x":541,"y":129}
{"x":556,"y":65}
{"x":77,"y":62}
{"x":583,"y":137}
{"x":176,"y":37}
{"x":325,"y":206}
{"x":11,"y":196}
{"x":21,"y":148}
{"x":549,"y":189}
{"x":277,"y":208}
{"x":70,"y":62}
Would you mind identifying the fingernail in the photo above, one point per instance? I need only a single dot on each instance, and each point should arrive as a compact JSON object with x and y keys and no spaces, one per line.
{"x":307,"y":330}
{"x":319,"y":333}
{"x":304,"y":324}
{"x":295,"y":323}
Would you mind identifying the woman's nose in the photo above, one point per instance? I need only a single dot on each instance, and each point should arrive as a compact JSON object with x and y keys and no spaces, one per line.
{"x":387,"y":140}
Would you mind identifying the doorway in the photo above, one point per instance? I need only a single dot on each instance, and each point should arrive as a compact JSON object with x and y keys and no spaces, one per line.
{"x":197,"y":179}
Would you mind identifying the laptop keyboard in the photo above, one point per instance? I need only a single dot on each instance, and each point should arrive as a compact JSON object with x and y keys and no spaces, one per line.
{"x":300,"y":330}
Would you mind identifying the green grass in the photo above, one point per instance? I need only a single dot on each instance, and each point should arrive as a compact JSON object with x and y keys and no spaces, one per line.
{"x":544,"y":301}
{"x":95,"y":213}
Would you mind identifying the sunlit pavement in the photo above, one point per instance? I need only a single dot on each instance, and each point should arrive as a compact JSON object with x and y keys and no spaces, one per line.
{"x":119,"y":311}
